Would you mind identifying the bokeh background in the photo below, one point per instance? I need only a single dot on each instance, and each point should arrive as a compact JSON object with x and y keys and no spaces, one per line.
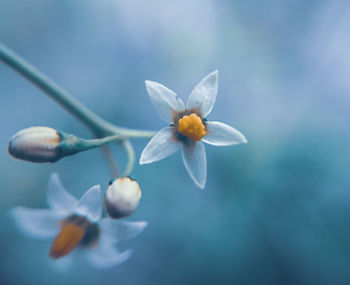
{"x":275,"y":211}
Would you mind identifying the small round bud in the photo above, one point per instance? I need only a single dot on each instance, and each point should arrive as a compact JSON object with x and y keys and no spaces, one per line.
{"x":35,"y":144}
{"x":122,"y":197}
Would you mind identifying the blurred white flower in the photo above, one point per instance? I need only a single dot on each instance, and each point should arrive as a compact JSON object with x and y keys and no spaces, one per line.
{"x":77,"y":225}
{"x":188,"y":127}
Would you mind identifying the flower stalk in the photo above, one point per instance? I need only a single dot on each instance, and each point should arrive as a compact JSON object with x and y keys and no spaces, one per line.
{"x":95,"y":123}
{"x":99,"y":127}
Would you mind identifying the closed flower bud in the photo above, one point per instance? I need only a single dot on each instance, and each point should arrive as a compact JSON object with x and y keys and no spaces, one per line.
{"x":44,"y":144}
{"x":122,"y":197}
{"x":36,"y":144}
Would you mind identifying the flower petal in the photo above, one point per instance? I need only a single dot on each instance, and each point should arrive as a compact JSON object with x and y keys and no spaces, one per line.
{"x":195,"y":161}
{"x":57,"y":196}
{"x":105,"y":254}
{"x":221,"y":134}
{"x":203,"y":95}
{"x":37,"y":223}
{"x":164,"y":100}
{"x":121,"y":230}
{"x":90,"y":204}
{"x":64,"y":263}
{"x":160,"y":146}
{"x":113,"y":258}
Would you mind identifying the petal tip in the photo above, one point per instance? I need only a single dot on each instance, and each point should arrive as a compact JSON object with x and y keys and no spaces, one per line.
{"x":214,"y":73}
{"x":143,"y":224}
{"x":90,"y":205}
{"x":150,"y":84}
{"x":142,"y":160}
{"x":201,"y":185}
{"x":96,"y":188}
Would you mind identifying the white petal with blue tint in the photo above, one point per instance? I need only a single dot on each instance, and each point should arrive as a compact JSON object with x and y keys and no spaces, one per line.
{"x":90,"y":205}
{"x":160,"y":146}
{"x":105,"y":254}
{"x":164,"y":100}
{"x":195,"y":161}
{"x":220,"y":134}
{"x":203,"y":95}
{"x":37,"y":223}
{"x":122,"y":230}
{"x":113,"y":258}
{"x":57,"y":196}
{"x":64,"y":263}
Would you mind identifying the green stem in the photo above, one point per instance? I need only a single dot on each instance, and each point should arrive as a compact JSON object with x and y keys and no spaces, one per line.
{"x":75,"y":144}
{"x":131,"y":157}
{"x":112,"y":165}
{"x":95,"y":123}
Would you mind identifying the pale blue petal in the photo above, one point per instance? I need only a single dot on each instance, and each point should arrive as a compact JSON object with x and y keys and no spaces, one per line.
{"x":121,"y":230}
{"x":90,"y":204}
{"x":57,"y":196}
{"x":113,"y":258}
{"x":195,"y":161}
{"x":63,"y":264}
{"x":106,"y":254}
{"x":220,"y":134}
{"x":37,"y":223}
{"x":203,"y":95}
{"x":160,"y":146}
{"x":164,"y":100}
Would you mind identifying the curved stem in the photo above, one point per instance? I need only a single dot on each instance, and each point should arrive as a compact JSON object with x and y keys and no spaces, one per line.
{"x":95,"y":123}
{"x":113,"y":168}
{"x":131,"y":157}
{"x":84,"y":144}
{"x":71,"y":144}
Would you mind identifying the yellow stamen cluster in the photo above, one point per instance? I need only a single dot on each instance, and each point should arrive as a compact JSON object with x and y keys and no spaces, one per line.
{"x":67,"y":240}
{"x":192,"y":127}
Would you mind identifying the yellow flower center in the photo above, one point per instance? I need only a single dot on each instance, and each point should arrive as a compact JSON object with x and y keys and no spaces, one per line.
{"x":67,"y":240}
{"x":75,"y":231}
{"x":192,"y":126}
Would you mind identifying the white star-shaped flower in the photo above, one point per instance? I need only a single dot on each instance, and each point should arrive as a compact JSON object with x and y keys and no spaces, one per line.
{"x":188,"y":127}
{"x":77,"y":227}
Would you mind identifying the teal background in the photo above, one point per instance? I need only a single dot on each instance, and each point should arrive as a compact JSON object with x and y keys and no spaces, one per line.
{"x":274,"y":211}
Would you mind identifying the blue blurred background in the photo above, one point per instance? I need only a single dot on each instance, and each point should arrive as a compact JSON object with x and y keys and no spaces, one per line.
{"x":275,"y":211}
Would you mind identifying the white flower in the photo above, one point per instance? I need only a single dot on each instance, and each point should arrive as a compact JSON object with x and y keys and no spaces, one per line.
{"x":188,"y":127}
{"x":77,"y":227}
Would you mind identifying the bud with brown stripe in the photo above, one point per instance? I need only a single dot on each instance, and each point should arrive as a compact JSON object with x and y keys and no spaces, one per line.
{"x":36,"y":144}
{"x":44,"y":144}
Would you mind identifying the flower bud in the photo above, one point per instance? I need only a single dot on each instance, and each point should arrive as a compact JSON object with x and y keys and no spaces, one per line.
{"x":44,"y":144}
{"x":36,"y":144}
{"x":122,"y":197}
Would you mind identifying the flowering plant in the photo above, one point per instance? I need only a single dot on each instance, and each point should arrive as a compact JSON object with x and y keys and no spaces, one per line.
{"x":82,"y":224}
